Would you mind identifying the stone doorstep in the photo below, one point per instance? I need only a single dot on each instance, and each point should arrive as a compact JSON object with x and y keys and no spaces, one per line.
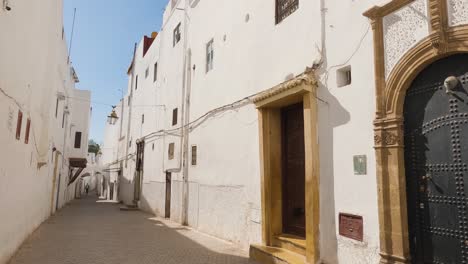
{"x":290,"y":242}
{"x":275,"y":255}
{"x":129,"y":208}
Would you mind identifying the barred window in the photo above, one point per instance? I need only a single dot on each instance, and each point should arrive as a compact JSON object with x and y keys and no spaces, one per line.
{"x":284,"y":8}
{"x":170,"y":151}
{"x":209,"y":56}
{"x":176,"y":35}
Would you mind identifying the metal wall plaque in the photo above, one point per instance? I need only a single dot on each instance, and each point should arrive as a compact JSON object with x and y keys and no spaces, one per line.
{"x":360,"y":164}
{"x":351,"y":226}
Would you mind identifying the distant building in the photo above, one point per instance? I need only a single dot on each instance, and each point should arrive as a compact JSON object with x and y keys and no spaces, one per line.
{"x":45,"y":120}
{"x":279,"y":126}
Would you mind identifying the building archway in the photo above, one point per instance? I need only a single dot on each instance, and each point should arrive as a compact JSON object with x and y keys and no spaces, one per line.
{"x":442,"y":40}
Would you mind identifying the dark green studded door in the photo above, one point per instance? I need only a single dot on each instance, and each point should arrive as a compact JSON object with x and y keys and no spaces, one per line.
{"x":436,"y":158}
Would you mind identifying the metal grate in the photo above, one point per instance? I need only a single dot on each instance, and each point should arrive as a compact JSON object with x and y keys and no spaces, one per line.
{"x":284,"y":8}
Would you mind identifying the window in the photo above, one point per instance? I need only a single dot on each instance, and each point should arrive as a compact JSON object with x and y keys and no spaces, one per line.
{"x":142,"y":119}
{"x":155,"y":74}
{"x":170,"y":151}
{"x":147,"y":72}
{"x":209,"y":56}
{"x":284,"y":8}
{"x":174,"y":116}
{"x":194,"y":155}
{"x":77,"y":140}
{"x":136,"y":82}
{"x":28,"y":128}
{"x":343,"y":76}
{"x":19,"y":122}
{"x":56,"y":107}
{"x":176,"y":36}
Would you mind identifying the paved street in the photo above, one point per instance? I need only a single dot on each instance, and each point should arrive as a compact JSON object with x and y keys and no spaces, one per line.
{"x":89,"y":232}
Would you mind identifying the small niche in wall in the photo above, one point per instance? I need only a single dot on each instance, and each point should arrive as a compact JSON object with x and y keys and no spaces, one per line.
{"x":343,"y":76}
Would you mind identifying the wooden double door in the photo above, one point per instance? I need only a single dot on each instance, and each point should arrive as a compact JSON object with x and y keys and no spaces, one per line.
{"x":293,"y":170}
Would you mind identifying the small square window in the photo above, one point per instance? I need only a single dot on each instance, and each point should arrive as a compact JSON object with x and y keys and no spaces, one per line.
{"x":209,"y":56}
{"x":170,"y":151}
{"x":343,"y":76}
{"x":194,"y":155}
{"x":176,"y":35}
{"x":174,"y":116}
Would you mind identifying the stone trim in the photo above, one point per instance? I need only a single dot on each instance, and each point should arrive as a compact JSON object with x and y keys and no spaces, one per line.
{"x":269,"y":103}
{"x":442,"y":41}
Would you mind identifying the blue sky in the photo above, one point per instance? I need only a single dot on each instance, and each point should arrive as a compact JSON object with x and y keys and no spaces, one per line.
{"x":103,"y":41}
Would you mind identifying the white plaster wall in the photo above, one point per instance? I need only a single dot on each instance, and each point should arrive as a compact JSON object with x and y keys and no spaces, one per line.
{"x":31,"y":74}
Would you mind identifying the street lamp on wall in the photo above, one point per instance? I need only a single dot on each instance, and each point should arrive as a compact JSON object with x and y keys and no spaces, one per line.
{"x":112,"y":118}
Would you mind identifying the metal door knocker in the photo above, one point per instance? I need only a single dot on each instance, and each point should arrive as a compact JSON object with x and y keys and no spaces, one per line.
{"x":450,"y":83}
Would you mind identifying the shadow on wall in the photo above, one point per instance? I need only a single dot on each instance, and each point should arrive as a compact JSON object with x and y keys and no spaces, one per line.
{"x":331,"y":115}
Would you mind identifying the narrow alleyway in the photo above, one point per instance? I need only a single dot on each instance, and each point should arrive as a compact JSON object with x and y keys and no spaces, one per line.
{"x":91,"y":232}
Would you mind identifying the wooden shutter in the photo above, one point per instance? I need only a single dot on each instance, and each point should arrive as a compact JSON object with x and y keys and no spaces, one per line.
{"x":19,"y":122}
{"x":28,"y":127}
{"x":194,"y":155}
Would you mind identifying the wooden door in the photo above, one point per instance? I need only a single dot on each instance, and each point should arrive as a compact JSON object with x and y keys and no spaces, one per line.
{"x":436,"y":162}
{"x":168,"y":195}
{"x":293,"y":170}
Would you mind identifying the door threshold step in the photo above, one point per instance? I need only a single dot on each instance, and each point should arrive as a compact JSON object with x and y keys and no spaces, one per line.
{"x":293,"y":243}
{"x":129,"y":208}
{"x":275,"y":255}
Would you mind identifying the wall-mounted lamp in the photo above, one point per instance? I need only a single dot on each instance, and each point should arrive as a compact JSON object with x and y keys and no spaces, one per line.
{"x":112,"y":118}
{"x":6,"y":5}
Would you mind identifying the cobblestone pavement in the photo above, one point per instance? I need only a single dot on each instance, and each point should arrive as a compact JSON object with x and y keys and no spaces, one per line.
{"x":87,"y":232}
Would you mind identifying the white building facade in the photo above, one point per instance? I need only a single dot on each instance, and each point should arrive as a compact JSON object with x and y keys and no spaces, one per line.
{"x":45,"y":120}
{"x":229,"y":103}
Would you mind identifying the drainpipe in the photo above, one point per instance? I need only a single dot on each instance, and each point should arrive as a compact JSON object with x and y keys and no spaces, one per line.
{"x":184,"y":119}
{"x":186,"y":140}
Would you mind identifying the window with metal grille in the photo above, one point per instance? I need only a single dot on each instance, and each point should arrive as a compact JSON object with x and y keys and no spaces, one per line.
{"x":194,"y":155}
{"x":174,"y":116}
{"x":28,"y":128}
{"x":170,"y":151}
{"x":77,"y":140}
{"x":176,"y":35}
{"x":19,"y":122}
{"x":209,"y":56}
{"x":155,"y":74}
{"x":284,"y":8}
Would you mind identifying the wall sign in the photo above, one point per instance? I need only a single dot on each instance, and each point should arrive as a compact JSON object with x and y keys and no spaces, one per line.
{"x":351,"y":226}
{"x":360,"y":164}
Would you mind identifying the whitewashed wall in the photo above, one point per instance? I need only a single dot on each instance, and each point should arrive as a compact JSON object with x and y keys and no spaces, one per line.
{"x":33,"y":68}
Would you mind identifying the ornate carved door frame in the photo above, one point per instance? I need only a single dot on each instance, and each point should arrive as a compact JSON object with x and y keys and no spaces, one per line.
{"x":443,"y":40}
